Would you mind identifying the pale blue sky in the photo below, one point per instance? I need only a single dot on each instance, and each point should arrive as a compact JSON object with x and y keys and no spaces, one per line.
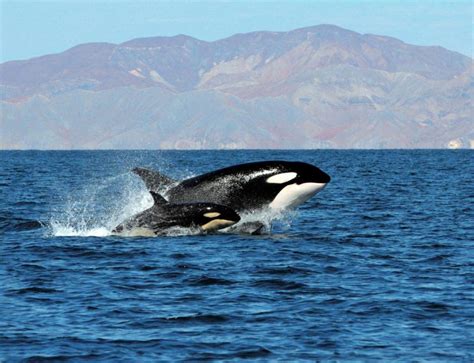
{"x":34,"y":28}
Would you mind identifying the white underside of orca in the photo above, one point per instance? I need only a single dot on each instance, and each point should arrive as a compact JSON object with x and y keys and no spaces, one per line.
{"x":217,"y":224}
{"x":293,"y":195}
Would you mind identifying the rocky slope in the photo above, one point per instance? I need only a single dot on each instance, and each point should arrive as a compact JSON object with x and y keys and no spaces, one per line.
{"x":317,"y":87}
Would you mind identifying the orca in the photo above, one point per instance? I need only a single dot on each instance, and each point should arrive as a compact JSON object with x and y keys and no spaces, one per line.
{"x":163,"y":216}
{"x":276,"y":184}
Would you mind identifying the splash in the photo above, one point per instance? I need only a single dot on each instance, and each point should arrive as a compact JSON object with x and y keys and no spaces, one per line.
{"x":69,"y":231}
{"x":98,"y":208}
{"x":270,"y":220}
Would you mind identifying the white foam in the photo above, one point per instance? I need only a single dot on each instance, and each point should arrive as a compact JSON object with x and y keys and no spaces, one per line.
{"x":268,"y":217}
{"x":98,"y":209}
{"x":61,"y":231}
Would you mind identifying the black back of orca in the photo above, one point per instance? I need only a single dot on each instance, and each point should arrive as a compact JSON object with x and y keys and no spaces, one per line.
{"x":245,"y":186}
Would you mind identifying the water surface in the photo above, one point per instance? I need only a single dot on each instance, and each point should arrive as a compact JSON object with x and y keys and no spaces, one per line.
{"x":378,"y":266}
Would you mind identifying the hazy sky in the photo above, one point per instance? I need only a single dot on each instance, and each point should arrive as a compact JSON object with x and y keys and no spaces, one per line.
{"x":33,"y":28}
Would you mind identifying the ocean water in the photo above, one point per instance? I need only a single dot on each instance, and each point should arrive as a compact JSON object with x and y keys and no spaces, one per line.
{"x":379,"y":266}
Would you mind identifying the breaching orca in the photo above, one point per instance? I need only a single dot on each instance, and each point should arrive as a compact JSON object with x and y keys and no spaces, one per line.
{"x":253,"y":186}
{"x":163,"y":215}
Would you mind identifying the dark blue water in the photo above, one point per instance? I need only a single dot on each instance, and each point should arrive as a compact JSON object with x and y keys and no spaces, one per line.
{"x":378,"y":266}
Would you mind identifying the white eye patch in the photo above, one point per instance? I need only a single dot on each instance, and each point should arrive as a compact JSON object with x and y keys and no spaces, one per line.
{"x":211,"y":215}
{"x":281,"y":178}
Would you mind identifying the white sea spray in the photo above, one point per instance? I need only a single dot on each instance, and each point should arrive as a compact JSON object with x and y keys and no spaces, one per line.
{"x":99,"y":207}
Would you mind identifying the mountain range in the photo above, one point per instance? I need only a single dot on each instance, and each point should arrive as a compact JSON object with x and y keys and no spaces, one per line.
{"x":315,"y":87}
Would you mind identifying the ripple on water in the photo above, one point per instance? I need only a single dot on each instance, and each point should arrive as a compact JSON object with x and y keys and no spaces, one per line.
{"x":208,"y":281}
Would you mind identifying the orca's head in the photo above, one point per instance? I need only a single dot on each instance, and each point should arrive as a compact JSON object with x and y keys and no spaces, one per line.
{"x":293,"y":183}
{"x":208,"y":216}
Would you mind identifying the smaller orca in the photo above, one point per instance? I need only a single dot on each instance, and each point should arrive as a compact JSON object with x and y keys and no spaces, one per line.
{"x":163,"y":215}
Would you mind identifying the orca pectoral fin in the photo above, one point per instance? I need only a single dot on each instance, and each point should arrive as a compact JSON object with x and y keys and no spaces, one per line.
{"x":153,"y":180}
{"x":260,"y":229}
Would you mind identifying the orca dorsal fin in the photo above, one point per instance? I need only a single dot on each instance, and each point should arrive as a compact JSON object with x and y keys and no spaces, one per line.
{"x":158,"y":198}
{"x":154,"y":181}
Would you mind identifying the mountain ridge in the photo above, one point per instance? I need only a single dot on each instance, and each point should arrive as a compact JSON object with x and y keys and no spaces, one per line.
{"x":331,"y":81}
